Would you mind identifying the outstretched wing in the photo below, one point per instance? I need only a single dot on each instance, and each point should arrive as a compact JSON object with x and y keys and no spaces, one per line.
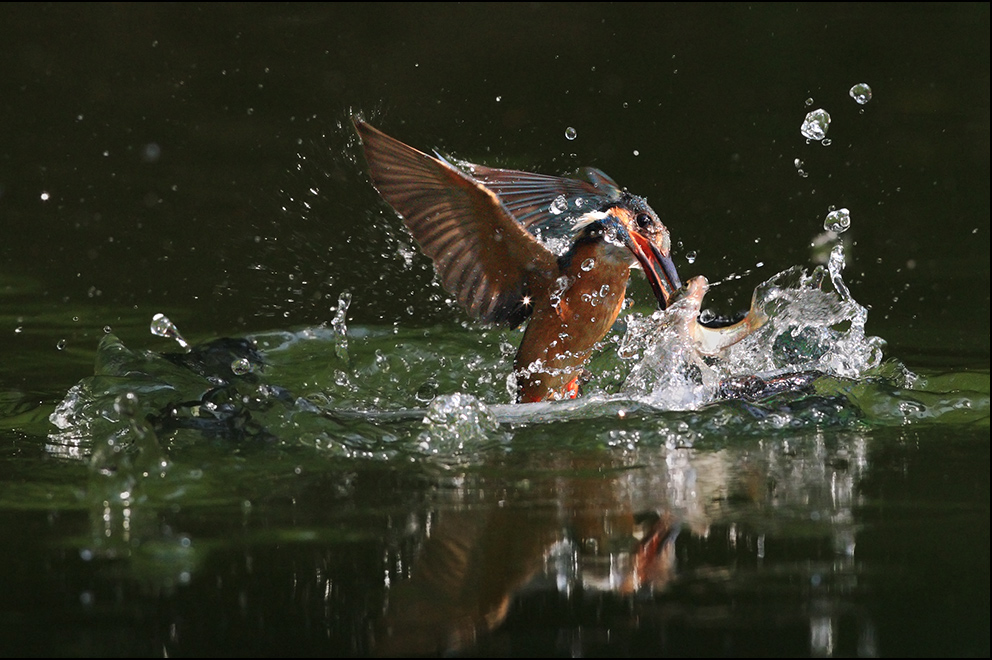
{"x":484,"y":257}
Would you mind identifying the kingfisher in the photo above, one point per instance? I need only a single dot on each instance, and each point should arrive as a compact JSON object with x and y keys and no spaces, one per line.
{"x":515,"y":246}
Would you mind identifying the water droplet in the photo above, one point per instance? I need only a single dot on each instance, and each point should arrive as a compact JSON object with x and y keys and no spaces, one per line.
{"x":60,"y":345}
{"x":837,"y":221}
{"x":559,"y":205}
{"x":690,"y":256}
{"x":636,"y":152}
{"x":588,"y":264}
{"x":798,"y":163}
{"x":570,"y":133}
{"x":45,"y":196}
{"x":809,"y":101}
{"x":151,"y":153}
{"x":499,"y":98}
{"x":161,"y":326}
{"x":426,"y":392}
{"x":241,"y":366}
{"x":816,"y":124}
{"x":861,"y":93}
{"x":826,"y":142}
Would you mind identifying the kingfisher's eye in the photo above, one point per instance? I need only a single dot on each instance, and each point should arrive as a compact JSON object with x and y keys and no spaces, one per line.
{"x":643,"y":220}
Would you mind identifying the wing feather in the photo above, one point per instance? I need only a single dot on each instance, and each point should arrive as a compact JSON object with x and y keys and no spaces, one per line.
{"x":483,"y":256}
{"x":546,"y":205}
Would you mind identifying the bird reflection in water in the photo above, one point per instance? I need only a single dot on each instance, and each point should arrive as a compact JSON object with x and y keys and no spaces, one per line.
{"x":476,"y":560}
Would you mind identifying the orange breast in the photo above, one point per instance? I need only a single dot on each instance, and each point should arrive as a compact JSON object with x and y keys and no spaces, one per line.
{"x":566,"y":325}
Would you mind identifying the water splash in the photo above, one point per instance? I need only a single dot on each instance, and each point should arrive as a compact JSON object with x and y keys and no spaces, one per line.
{"x":456,"y":423}
{"x":669,"y":373}
{"x":122,"y":464}
{"x":814,"y":326}
{"x":376,"y":412}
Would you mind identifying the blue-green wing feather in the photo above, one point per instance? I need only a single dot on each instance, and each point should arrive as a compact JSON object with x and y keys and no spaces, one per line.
{"x":547,"y":206}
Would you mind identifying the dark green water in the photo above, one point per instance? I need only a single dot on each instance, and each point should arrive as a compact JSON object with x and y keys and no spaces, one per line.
{"x":195,"y":160}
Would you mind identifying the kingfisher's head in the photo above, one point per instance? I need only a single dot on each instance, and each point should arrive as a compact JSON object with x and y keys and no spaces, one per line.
{"x":629,"y":229}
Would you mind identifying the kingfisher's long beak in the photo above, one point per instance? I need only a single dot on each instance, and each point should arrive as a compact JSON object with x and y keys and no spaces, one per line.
{"x":658,"y":267}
